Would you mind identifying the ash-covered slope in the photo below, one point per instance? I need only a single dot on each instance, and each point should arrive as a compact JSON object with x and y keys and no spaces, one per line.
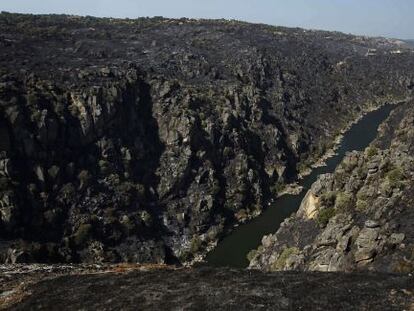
{"x":140,"y":140}
{"x":360,"y":217}
{"x":131,"y":288}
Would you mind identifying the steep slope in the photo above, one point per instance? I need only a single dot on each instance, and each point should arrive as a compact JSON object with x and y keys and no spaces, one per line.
{"x":141,"y":140}
{"x":360,"y":217}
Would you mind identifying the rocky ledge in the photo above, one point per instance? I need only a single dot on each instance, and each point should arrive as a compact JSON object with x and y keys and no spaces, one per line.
{"x":130,"y":287}
{"x":361,"y":217}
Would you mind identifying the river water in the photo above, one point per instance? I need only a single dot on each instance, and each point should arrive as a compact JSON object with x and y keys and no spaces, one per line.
{"x":233,"y":249}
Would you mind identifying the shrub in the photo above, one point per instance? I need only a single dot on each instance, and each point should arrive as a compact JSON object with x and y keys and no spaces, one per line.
{"x":343,"y":201}
{"x":279,"y":264}
{"x":349,"y":163}
{"x":302,"y":167}
{"x":277,"y":188}
{"x":324,"y":216}
{"x":195,"y":244}
{"x":361,"y":205}
{"x":395,"y":177}
{"x":362,"y":195}
{"x":184,"y":256}
{"x":386,"y":188}
{"x":371,"y":151}
{"x":361,"y":171}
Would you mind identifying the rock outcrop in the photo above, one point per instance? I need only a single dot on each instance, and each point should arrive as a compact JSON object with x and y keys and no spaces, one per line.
{"x":141,"y":140}
{"x":361,"y":215}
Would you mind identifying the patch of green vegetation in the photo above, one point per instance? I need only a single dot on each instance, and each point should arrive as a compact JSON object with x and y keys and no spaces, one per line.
{"x":349,"y":163}
{"x":302,"y":167}
{"x":195,"y":244}
{"x":361,"y":171}
{"x":277,"y":188}
{"x":361,"y":205}
{"x":385,"y":187}
{"x":343,"y":201}
{"x":185,"y":256}
{"x":279,"y":264}
{"x":362,"y":195}
{"x":371,"y":151}
{"x":324,"y":216}
{"x":395,"y":177}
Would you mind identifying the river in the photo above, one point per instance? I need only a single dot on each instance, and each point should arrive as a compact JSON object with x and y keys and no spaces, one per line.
{"x":233,"y":249}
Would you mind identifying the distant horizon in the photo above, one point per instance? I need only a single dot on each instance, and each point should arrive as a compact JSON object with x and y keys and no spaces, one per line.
{"x":228,"y":19}
{"x":373,"y":18}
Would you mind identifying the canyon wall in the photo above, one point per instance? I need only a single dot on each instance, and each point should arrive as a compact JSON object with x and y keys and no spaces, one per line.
{"x":143,"y":140}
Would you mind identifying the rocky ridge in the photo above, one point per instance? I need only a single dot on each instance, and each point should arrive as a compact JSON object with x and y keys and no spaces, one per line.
{"x":142,"y":140}
{"x":358,"y":218}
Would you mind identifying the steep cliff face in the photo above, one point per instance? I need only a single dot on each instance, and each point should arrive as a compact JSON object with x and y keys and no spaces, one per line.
{"x":359,"y":217}
{"x":141,"y":140}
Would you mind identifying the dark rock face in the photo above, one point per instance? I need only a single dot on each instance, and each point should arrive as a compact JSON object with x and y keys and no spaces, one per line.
{"x":360,"y":217}
{"x":141,"y":140}
{"x":206,"y":289}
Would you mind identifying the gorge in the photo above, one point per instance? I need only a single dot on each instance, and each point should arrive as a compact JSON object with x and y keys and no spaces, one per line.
{"x":233,"y":250}
{"x":130,"y":148}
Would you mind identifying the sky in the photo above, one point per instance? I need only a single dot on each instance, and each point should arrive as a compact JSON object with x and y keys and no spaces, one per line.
{"x":390,"y":18}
